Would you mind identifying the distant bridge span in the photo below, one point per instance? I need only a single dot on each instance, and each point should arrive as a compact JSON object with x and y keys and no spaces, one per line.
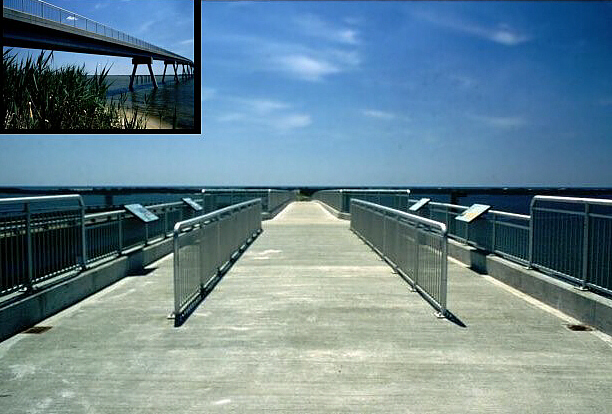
{"x":40,"y":25}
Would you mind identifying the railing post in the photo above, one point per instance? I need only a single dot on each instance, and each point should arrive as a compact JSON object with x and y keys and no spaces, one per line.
{"x":146,"y":233}
{"x":120,"y":233}
{"x":30,"y":263}
{"x":530,"y":264}
{"x":443,"y":277}
{"x":165,"y":223}
{"x":585,"y":248}
{"x":83,"y":237}
{"x":493,"y":234}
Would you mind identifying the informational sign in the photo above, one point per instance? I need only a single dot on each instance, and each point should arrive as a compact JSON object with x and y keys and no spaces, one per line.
{"x":192,"y":204}
{"x":419,"y":204}
{"x":472,"y":213}
{"x":142,"y":213}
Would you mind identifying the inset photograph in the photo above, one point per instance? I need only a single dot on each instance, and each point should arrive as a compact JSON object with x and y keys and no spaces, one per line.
{"x":100,"y":66}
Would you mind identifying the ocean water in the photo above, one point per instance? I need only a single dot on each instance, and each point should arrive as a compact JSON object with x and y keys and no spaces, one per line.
{"x":169,"y":99}
{"x":104,"y":198}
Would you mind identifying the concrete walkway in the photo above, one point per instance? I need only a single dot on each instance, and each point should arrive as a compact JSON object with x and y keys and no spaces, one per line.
{"x":308,"y":320}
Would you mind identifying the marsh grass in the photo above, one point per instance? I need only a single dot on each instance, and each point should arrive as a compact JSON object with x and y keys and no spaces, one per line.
{"x":35,"y":96}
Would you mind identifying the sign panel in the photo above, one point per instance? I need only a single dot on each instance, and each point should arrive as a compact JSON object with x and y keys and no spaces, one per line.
{"x":192,"y":204}
{"x":419,"y":204}
{"x":472,"y":213}
{"x":142,"y":213}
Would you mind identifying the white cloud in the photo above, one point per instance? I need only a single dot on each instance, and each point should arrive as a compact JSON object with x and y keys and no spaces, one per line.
{"x":503,"y":122}
{"x":605,"y":101}
{"x":373,"y":113}
{"x":307,"y":68}
{"x":208,"y":93}
{"x":71,"y":18}
{"x":502,"y":33}
{"x":186,"y":42}
{"x":262,"y":106}
{"x":269,"y":113}
{"x":313,"y":25}
{"x":291,"y":121}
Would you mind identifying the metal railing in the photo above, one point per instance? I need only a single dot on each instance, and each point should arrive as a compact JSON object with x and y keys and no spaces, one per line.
{"x":506,"y":234}
{"x":340,"y":199}
{"x":49,"y":236}
{"x":48,"y":11}
{"x":40,"y":237}
{"x":415,"y":246}
{"x":271,"y":199}
{"x":211,"y":243}
{"x":572,"y":238}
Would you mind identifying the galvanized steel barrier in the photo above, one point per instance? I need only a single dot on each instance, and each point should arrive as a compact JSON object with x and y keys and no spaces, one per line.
{"x":506,"y":234}
{"x":340,"y":199}
{"x":271,"y":199}
{"x":572,"y":238}
{"x":48,"y":11}
{"x":204,"y":245}
{"x":415,"y":246}
{"x":42,"y":238}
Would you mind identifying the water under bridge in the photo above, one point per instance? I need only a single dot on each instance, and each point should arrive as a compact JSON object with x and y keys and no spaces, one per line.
{"x":40,"y":25}
{"x":308,"y":319}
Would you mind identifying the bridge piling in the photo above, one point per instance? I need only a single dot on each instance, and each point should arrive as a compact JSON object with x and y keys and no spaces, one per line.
{"x":145,"y":61}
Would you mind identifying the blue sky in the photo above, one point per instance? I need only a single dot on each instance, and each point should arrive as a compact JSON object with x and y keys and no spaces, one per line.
{"x":370,"y":93}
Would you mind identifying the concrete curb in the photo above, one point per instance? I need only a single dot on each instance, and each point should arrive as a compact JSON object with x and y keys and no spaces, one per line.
{"x":588,"y":307}
{"x":26,"y":312}
{"x":340,"y":215}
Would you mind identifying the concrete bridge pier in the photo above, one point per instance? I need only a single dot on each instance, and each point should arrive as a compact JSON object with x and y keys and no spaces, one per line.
{"x":145,"y":61}
{"x":174,"y":66}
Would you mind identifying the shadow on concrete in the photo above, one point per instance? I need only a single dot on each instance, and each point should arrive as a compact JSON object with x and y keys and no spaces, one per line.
{"x":142,"y":272}
{"x":212,"y":283}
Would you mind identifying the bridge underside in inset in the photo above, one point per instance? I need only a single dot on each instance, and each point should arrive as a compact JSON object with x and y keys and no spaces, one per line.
{"x":29,"y":31}
{"x":309,"y":319}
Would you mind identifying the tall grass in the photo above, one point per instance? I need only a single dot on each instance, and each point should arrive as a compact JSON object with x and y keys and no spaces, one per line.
{"x":35,"y":96}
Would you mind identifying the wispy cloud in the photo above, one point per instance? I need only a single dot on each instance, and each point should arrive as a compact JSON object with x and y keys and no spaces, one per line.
{"x":269,"y":113}
{"x":502,"y":33}
{"x":295,"y":60}
{"x":307,"y":68}
{"x":71,"y":18}
{"x":208,"y":93}
{"x":313,"y":25}
{"x":144,"y":27}
{"x":607,"y":101}
{"x":186,"y":42}
{"x":382,"y":115}
{"x":503,"y":122}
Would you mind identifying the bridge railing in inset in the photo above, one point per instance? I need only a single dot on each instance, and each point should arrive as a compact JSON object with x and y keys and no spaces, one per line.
{"x":415,"y":246}
{"x":204,"y":246}
{"x":48,"y":11}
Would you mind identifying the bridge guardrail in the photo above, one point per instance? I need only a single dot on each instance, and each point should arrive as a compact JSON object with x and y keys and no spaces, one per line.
{"x":567,"y":237}
{"x":49,"y":236}
{"x":340,"y":199}
{"x":417,"y":247}
{"x":572,"y":238}
{"x":271,"y":199}
{"x":38,"y":242}
{"x":48,"y":11}
{"x":209,"y":245}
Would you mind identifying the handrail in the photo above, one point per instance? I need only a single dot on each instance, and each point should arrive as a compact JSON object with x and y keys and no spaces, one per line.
{"x":214,"y":214}
{"x":575,"y":200}
{"x":432,"y":223}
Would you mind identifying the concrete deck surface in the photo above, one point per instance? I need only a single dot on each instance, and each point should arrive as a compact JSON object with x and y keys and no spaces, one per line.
{"x":308,"y":320}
